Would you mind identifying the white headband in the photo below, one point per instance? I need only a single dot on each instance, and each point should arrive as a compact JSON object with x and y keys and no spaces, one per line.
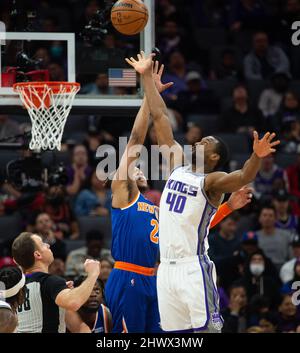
{"x":8,"y":293}
{"x":3,"y":304}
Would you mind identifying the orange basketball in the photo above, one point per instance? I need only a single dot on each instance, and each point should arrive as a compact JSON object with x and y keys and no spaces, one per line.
{"x":129,"y":16}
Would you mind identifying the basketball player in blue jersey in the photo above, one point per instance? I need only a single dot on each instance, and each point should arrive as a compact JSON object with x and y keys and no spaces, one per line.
{"x":186,"y":280}
{"x":93,"y":316}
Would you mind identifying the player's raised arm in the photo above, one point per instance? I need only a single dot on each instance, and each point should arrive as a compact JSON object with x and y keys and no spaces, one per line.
{"x":218,"y":183}
{"x":158,"y":109}
{"x":124,"y":187}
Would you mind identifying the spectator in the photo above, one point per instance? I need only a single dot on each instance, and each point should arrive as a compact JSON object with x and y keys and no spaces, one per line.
{"x":235,"y":316}
{"x":287,"y":270}
{"x":45,"y":227}
{"x":284,"y":218}
{"x":273,"y":241}
{"x":79,"y":170}
{"x":247,"y":14}
{"x":264,"y":60}
{"x":8,"y":129}
{"x":177,"y":71}
{"x":95,"y":199}
{"x":268,"y":322}
{"x":291,"y":137}
{"x":241,"y":117}
{"x":58,"y":207}
{"x":42,"y":54}
{"x":194,"y":134}
{"x":196,"y":99}
{"x":271,"y":98}
{"x":293,"y":173}
{"x":228,"y":67}
{"x":171,"y":39}
{"x":289,"y":111}
{"x":269,"y":178}
{"x":225,"y":242}
{"x":287,"y":288}
{"x":257,"y":282}
{"x":56,"y":72}
{"x":289,"y":318}
{"x":57,"y":268}
{"x":100,"y":86}
{"x":106,"y":267}
{"x":93,"y":250}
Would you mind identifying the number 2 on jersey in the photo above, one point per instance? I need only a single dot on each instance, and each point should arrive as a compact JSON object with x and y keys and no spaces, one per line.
{"x":153,"y":234}
{"x":176,"y":202}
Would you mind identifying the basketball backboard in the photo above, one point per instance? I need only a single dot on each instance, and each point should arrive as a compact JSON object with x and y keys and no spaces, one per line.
{"x":69,"y":56}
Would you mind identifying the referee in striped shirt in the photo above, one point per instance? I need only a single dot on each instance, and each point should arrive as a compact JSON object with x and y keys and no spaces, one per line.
{"x":47,"y":296}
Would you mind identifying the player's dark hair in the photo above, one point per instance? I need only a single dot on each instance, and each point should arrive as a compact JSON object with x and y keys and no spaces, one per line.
{"x":10,"y":276}
{"x":23,"y":249}
{"x":222,"y":151}
{"x":94,"y":235}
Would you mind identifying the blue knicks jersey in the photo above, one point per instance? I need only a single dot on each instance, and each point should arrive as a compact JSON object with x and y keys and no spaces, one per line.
{"x":135,"y":233}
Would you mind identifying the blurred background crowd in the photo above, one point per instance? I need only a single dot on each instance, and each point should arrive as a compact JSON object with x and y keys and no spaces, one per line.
{"x":235,"y":69}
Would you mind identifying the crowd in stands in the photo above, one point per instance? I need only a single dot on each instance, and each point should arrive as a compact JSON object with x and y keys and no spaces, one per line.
{"x":234,"y":70}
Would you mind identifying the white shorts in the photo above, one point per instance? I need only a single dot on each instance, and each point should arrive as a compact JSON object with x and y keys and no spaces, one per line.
{"x":187,"y":296}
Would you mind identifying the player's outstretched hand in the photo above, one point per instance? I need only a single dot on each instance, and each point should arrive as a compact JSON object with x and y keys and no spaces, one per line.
{"x":92,"y":267}
{"x":240,"y":198}
{"x":265,"y":146}
{"x":143,"y":64}
{"x":157,"y":74}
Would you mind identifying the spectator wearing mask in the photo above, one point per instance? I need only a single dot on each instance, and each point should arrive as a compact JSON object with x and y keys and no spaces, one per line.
{"x":58,"y":207}
{"x":95,"y":199}
{"x":284,"y":218}
{"x":287,"y":270}
{"x":265,"y":60}
{"x":269,"y":178}
{"x":225,"y":242}
{"x":92,"y":250}
{"x":79,"y":170}
{"x":273,"y":241}
{"x":271,"y":98}
{"x":241,"y":117}
{"x":257,"y":282}
{"x":289,"y":315}
{"x":235,"y":316}
{"x":288,"y":288}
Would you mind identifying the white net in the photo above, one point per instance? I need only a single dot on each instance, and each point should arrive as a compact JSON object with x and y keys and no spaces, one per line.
{"x":48,"y":109}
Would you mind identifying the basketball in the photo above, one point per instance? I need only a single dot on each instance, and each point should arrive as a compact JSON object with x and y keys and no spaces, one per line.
{"x":129,"y":16}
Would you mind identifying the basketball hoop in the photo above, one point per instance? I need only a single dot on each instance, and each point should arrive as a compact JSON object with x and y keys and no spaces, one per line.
{"x":48,"y":105}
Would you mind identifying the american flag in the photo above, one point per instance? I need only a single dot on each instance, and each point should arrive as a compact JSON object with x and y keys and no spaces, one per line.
{"x":122,"y":78}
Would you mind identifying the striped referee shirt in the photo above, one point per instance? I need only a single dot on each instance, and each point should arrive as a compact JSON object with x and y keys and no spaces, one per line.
{"x":39,"y":313}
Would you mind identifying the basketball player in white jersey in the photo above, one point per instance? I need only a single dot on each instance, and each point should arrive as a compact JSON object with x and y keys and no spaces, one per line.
{"x":186,"y":280}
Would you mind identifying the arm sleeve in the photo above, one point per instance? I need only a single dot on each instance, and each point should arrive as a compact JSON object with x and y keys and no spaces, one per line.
{"x":223,"y":211}
{"x":54,"y":285}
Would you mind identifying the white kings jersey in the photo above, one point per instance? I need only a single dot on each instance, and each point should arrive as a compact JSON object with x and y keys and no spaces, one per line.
{"x":185,"y":215}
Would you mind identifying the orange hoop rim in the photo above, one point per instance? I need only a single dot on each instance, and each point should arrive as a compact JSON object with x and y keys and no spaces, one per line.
{"x":55,"y":86}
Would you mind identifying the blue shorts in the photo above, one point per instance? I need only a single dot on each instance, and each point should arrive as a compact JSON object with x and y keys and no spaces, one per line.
{"x":132,"y":300}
